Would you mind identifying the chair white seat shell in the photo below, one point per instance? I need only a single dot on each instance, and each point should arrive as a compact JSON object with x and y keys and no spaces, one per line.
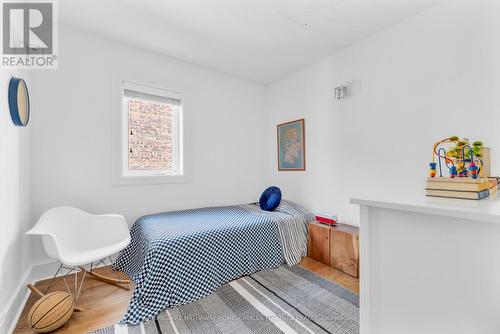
{"x":76,"y":237}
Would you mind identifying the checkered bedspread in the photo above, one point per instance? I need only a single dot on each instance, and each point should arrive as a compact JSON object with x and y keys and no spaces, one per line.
{"x":178,"y":257}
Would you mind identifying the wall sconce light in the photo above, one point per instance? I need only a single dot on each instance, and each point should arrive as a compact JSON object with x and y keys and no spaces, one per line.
{"x":340,"y":92}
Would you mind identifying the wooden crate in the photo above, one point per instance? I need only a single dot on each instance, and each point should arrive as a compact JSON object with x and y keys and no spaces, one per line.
{"x":344,"y":249}
{"x":319,"y":242}
{"x":336,"y":246}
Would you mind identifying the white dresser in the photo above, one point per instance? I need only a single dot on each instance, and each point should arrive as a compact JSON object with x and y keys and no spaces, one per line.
{"x":429,"y":265}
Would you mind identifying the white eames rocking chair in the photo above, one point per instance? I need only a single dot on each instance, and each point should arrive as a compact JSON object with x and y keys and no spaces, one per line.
{"x":77,"y":239}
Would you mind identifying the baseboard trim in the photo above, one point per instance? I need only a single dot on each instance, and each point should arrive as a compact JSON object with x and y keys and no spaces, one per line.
{"x":16,"y":303}
{"x":15,"y":306}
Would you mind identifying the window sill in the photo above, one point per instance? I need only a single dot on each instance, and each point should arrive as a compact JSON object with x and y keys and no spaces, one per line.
{"x":153,"y":179}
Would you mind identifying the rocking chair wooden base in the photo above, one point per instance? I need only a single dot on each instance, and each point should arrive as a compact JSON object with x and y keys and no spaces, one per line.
{"x":114,"y":281}
{"x":79,"y":279}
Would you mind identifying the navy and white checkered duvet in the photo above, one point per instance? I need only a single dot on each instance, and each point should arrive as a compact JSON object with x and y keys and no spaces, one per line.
{"x":178,"y":257}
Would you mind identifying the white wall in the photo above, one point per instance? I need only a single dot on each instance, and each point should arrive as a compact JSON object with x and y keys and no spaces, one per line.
{"x":14,"y":204}
{"x":429,"y":77}
{"x":71,"y":138}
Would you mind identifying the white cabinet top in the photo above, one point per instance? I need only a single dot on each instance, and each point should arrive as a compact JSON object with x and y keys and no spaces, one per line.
{"x":487,"y":210}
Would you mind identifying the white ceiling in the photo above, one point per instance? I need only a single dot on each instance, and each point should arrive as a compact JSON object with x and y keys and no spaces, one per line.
{"x":260,"y":40}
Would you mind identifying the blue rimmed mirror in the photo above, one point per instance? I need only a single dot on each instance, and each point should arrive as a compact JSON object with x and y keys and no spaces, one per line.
{"x":19,"y":102}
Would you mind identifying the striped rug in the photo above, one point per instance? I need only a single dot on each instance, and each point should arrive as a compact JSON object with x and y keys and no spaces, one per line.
{"x":282,"y":300}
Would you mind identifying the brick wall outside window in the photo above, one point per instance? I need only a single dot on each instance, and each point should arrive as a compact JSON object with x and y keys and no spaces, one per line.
{"x":150,"y":136}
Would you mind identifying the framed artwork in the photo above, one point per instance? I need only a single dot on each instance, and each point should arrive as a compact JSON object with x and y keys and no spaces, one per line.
{"x":291,"y":146}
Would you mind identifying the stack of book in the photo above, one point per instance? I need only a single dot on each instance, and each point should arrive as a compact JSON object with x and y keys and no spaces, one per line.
{"x":460,"y":187}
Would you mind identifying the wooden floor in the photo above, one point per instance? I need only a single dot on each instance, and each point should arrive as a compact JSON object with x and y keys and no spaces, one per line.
{"x":327,"y":272}
{"x":104,"y":304}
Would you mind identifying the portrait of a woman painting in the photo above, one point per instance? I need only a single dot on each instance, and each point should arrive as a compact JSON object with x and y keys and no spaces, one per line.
{"x":291,"y":146}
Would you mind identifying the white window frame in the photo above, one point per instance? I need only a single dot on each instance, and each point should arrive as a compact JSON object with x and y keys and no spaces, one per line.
{"x":121,"y":174}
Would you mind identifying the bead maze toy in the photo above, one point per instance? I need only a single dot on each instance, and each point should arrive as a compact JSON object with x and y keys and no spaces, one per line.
{"x":453,"y":172}
{"x":460,"y":158}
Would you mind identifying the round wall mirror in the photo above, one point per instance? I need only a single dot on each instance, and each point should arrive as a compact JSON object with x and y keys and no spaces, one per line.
{"x":19,"y":102}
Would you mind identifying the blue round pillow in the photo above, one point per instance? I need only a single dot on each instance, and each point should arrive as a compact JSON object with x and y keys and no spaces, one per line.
{"x":270,"y":198}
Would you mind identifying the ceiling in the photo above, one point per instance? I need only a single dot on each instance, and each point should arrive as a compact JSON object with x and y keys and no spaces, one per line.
{"x":260,"y":40}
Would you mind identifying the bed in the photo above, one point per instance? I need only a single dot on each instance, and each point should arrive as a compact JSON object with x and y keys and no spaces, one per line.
{"x":178,"y":257}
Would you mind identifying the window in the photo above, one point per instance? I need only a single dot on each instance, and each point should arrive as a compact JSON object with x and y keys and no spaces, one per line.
{"x":152,"y":144}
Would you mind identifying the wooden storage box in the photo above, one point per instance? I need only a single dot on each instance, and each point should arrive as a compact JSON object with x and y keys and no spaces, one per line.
{"x":319,"y":242}
{"x":336,"y":246}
